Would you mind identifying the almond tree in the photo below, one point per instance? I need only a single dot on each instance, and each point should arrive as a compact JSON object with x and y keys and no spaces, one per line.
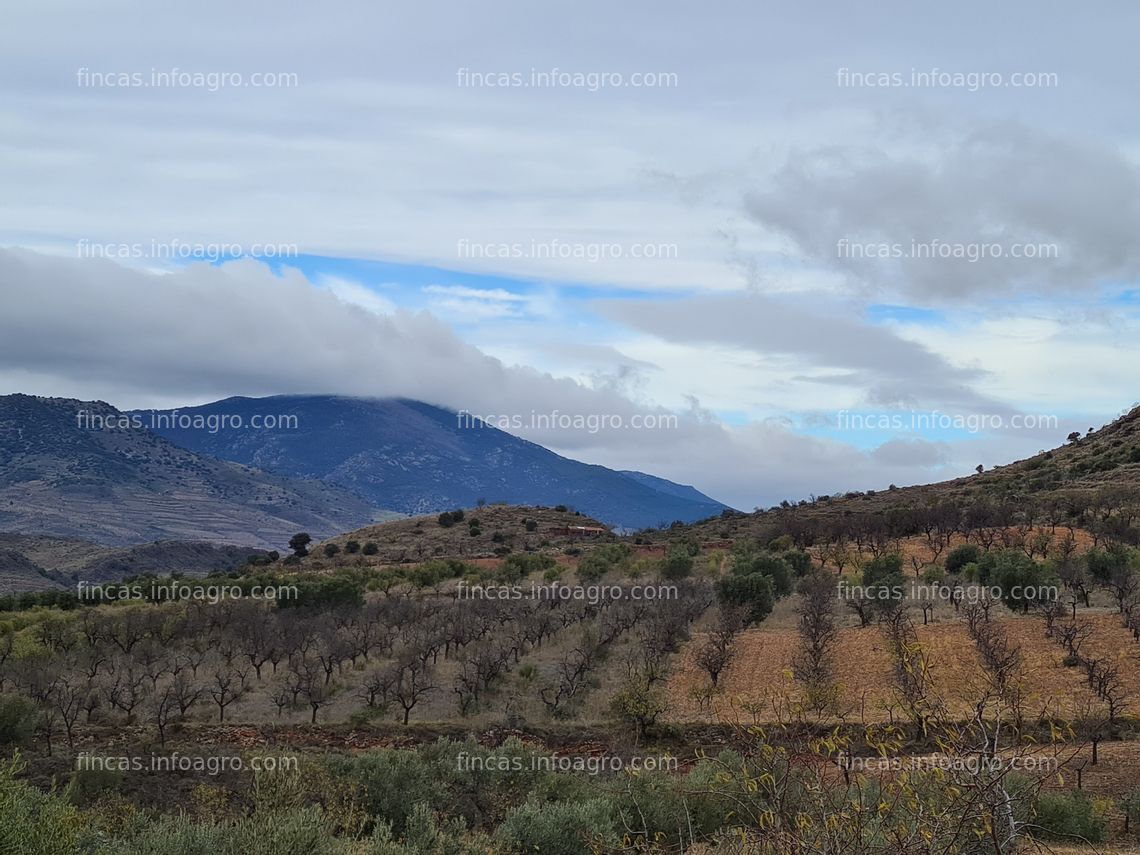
{"x":413,"y":679}
{"x":225,"y":687}
{"x":718,"y":650}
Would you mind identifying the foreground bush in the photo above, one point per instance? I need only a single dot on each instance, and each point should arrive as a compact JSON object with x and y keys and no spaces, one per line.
{"x":561,"y":828}
{"x":1068,"y":816}
{"x":33,"y":822}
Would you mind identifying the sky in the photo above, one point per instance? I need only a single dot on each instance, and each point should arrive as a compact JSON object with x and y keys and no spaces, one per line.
{"x":771,"y":250}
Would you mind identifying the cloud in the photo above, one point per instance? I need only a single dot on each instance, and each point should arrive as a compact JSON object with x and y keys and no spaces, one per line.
{"x":477,"y":303}
{"x":139,"y":339}
{"x":911,"y":452}
{"x":1000,"y":209}
{"x":815,"y":332}
{"x":357,"y":294}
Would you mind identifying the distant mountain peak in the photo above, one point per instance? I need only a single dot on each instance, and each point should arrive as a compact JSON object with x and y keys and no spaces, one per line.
{"x":413,"y":457}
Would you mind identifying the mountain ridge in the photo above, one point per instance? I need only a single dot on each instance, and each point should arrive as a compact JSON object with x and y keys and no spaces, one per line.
{"x":416,"y":458}
{"x":70,"y":468}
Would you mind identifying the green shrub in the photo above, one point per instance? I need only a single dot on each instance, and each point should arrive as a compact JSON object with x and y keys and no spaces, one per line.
{"x":639,"y":705}
{"x":295,"y":832}
{"x":1015,"y":574}
{"x":325,"y":592}
{"x":884,"y":576}
{"x":677,"y":564}
{"x":593,"y":567}
{"x":18,"y":717}
{"x":517,"y":567}
{"x":1066,"y":816}
{"x":752,"y":592}
{"x":774,"y":567}
{"x":389,"y":784}
{"x":560,"y":828}
{"x":962,"y":555}
{"x":33,"y":822}
{"x":88,"y":785}
{"x":782,"y":543}
{"x":426,"y":835}
{"x":933,"y":574}
{"x":799,"y":561}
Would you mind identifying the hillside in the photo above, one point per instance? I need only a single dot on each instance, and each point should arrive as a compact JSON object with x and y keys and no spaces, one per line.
{"x":163,"y":558}
{"x":72,"y":469}
{"x":495,"y":527}
{"x":33,"y":562}
{"x":1061,"y":484}
{"x":62,"y":554}
{"x":18,"y":573}
{"x":415,"y":458}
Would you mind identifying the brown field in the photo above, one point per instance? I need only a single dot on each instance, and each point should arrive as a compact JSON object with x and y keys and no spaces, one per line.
{"x":758,"y":684}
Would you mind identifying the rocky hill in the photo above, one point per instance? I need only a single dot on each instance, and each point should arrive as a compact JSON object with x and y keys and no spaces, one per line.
{"x":78,"y":469}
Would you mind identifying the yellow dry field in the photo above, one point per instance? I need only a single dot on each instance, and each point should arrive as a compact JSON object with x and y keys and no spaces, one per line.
{"x":758,"y":685}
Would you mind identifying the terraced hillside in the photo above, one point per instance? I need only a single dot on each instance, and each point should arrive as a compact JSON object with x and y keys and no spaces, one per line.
{"x":71,"y":469}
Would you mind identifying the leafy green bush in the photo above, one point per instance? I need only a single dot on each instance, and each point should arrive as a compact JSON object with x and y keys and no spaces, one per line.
{"x":426,"y":835}
{"x":962,"y":555}
{"x":639,"y":705}
{"x":592,"y":568}
{"x":1068,"y":816}
{"x":296,"y":832}
{"x":677,"y":564}
{"x":88,"y":785}
{"x":560,"y":828}
{"x":33,"y":822}
{"x":799,"y":561}
{"x":517,"y":567}
{"x":18,"y":717}
{"x":782,"y":543}
{"x":325,"y":592}
{"x":1017,"y":575}
{"x":752,"y":592}
{"x":773,"y":566}
{"x":884,"y":576}
{"x":390,"y":783}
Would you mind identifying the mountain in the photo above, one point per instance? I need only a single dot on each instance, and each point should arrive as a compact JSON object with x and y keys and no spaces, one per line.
{"x":416,"y":458}
{"x":681,"y":491}
{"x":85,"y":470}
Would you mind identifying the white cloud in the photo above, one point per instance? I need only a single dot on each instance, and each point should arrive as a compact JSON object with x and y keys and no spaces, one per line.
{"x":138,"y":339}
{"x":357,"y":294}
